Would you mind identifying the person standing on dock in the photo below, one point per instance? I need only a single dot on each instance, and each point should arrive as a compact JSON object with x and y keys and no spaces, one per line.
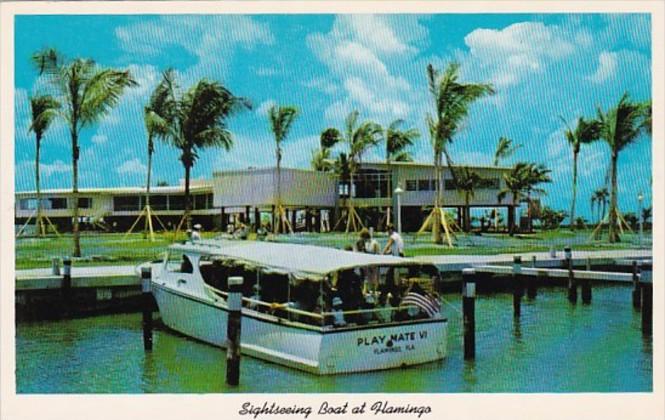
{"x":196,"y":232}
{"x":395,"y":245}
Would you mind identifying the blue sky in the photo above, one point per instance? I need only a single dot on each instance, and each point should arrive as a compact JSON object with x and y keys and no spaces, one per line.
{"x":542,"y":67}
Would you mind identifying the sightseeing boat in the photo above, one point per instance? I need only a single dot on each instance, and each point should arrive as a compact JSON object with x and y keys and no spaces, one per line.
{"x":317,"y":309}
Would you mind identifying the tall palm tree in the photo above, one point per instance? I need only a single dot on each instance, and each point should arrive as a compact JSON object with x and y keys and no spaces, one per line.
{"x":466,"y":182}
{"x":600,"y":197}
{"x":585,"y":132}
{"x":360,"y":137}
{"x":44,"y":110}
{"x":196,"y":120}
{"x":397,"y":141}
{"x":621,"y":126}
{"x":88,"y":92}
{"x":452,"y":100}
{"x":281,"y":119}
{"x":504,"y":149}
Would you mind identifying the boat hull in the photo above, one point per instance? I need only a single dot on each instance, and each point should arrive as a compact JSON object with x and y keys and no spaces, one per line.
{"x":312,"y":349}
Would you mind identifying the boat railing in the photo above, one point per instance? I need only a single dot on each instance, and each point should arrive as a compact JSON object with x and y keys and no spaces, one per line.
{"x":316,"y":318}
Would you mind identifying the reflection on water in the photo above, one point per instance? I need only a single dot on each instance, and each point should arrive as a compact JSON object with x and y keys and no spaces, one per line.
{"x":553,"y":347}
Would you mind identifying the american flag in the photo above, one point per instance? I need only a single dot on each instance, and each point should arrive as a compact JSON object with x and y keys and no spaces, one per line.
{"x":425,"y":302}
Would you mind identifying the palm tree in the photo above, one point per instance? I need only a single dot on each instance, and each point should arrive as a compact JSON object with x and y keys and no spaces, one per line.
{"x":397,"y":141}
{"x":281,"y":119}
{"x":359,"y":137}
{"x":321,"y":158}
{"x":452,"y":100}
{"x":44,"y":110}
{"x":196,"y":119}
{"x":515,"y":183}
{"x":504,"y":149}
{"x":536,"y":175}
{"x":466,"y":182}
{"x":585,"y":132}
{"x":156,"y":127}
{"x":599,"y":197}
{"x":88,"y":94}
{"x":620,"y":127}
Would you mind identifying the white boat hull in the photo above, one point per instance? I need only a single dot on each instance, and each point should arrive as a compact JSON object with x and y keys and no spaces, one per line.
{"x":316,"y":350}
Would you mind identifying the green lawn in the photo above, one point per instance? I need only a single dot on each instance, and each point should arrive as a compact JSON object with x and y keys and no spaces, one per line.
{"x":115,"y":249}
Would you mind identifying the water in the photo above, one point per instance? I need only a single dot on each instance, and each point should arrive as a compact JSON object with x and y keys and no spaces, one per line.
{"x":555,"y":347}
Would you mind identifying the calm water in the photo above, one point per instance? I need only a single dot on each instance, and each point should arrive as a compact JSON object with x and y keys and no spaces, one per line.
{"x":556,"y":347}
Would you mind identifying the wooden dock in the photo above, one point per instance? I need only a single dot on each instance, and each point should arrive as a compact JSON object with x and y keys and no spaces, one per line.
{"x":559,"y":273}
{"x":82,"y":277}
{"x":456,"y":263}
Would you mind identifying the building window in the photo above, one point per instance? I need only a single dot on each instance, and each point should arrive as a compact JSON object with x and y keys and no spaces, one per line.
{"x":489,"y":184}
{"x":27,"y":204}
{"x":343,"y":190}
{"x":411,"y":185}
{"x":58,"y":203}
{"x":176,"y":202}
{"x":450,"y":184}
{"x":127,"y":203}
{"x":201,"y":201}
{"x":85,"y":202}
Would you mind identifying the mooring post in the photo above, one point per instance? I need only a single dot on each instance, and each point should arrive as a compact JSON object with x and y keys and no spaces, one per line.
{"x":233,"y":327}
{"x":66,"y":289}
{"x":55,"y":266}
{"x":586,"y":291}
{"x":588,"y":263}
{"x":533,"y":261}
{"x":146,"y":306}
{"x":518,"y":288}
{"x":647,"y":300}
{"x":572,"y":284}
{"x":637,"y":296}
{"x":469,"y":311}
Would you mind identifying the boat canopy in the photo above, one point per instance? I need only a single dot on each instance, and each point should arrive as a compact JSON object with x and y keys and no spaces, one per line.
{"x":300,"y":261}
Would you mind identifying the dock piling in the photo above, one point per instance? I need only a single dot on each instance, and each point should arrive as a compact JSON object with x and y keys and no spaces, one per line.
{"x":647,"y":300}
{"x":572,"y":284}
{"x":468,"y":309}
{"x":55,"y":266}
{"x":146,"y":304}
{"x":518,"y":287}
{"x":533,"y":261}
{"x":637,"y":297}
{"x":233,"y":328}
{"x":588,"y":264}
{"x":66,"y":290}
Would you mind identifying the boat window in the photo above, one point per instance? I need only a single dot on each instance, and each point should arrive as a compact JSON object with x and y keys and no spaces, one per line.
{"x":178,"y":262}
{"x":215,"y":273}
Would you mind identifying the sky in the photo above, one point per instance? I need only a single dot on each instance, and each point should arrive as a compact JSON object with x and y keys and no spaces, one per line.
{"x":543,"y":68}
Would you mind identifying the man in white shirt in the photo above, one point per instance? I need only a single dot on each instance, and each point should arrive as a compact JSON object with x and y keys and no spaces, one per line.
{"x":395,"y":245}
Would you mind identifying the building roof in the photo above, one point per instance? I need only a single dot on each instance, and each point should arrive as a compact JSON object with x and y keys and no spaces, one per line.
{"x":430,"y":165}
{"x":301,"y":261}
{"x":171,"y":189}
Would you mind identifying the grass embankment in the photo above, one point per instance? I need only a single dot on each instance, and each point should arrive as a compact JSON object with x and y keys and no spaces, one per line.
{"x":115,"y":249}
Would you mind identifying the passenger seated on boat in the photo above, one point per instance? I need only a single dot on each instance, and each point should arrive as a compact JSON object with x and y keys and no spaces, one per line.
{"x":256,"y":296}
{"x":350,"y":290}
{"x":385,"y":312}
{"x":338,"y":315}
{"x":186,"y":265}
{"x":368,"y":304}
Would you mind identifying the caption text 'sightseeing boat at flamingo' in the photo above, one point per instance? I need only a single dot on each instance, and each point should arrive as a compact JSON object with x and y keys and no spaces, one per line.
{"x":322,"y":310}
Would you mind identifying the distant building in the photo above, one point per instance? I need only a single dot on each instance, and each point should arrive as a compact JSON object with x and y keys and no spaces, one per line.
{"x":312,"y":199}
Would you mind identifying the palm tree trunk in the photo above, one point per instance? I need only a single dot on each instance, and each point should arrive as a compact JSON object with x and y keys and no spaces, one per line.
{"x":467,"y":214}
{"x":75,"y":192}
{"x":188,"y":205}
{"x":613,"y":234}
{"x":147,"y":190}
{"x":437,"y":237}
{"x":511,"y":215}
{"x":572,"y":206}
{"x":279,"y":226}
{"x":40,"y":224}
{"x":528,"y":212}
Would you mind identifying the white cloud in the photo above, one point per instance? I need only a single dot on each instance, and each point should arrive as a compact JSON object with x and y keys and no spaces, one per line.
{"x":607,"y":67}
{"x":57,"y":167}
{"x":99,"y":139}
{"x":517,"y":50}
{"x":324,"y":85}
{"x":133,"y":166}
{"x":263,"y":108}
{"x":360,"y":52}
{"x":210,"y":39}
